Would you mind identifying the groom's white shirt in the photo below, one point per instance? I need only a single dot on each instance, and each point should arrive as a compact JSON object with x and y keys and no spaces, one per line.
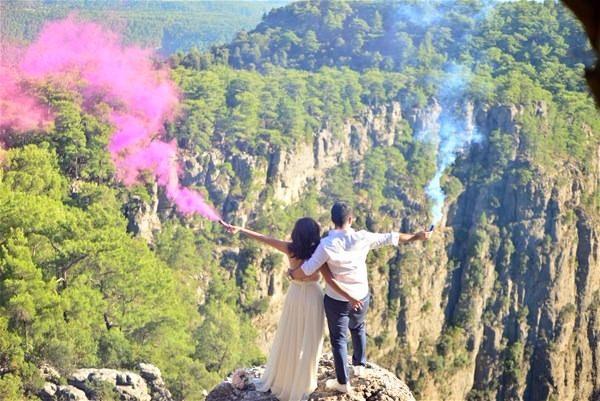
{"x":345,"y":251}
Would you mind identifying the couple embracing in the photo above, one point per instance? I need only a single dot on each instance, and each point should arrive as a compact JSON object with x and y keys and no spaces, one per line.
{"x":340,"y":258}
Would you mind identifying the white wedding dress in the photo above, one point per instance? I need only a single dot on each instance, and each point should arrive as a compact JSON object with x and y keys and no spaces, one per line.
{"x":291,"y":372}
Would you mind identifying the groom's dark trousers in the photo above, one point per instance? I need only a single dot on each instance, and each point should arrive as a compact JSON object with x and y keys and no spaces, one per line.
{"x":340,"y":318}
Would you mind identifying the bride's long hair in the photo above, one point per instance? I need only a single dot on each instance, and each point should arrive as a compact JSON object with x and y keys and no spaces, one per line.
{"x":306,"y":236}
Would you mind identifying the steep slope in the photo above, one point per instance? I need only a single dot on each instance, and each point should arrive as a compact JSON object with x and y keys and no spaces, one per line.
{"x":503,"y":302}
{"x":520,"y":302}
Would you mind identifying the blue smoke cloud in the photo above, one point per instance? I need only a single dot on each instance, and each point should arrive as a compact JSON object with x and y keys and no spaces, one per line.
{"x":455,"y":131}
{"x":425,"y":13}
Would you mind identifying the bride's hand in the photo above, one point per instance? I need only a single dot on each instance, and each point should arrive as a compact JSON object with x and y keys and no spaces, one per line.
{"x":230,"y":228}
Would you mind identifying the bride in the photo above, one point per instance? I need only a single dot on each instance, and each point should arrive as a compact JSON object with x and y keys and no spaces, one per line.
{"x":291,"y":372}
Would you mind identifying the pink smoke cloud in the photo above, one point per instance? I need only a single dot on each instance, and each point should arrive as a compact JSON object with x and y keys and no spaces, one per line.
{"x":19,"y":109}
{"x":92,"y":60}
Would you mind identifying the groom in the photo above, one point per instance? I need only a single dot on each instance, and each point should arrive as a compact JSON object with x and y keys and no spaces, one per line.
{"x":345,"y":251}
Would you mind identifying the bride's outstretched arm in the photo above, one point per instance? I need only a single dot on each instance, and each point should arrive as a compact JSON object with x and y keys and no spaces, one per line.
{"x":328,"y":277}
{"x":275,"y":243}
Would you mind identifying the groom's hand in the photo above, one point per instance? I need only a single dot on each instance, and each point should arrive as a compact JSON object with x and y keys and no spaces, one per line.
{"x":423,"y":235}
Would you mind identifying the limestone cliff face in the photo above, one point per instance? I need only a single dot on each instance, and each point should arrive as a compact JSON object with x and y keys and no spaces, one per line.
{"x":289,"y":172}
{"x":502,"y":304}
{"x":517,"y":270}
{"x":532,"y":331}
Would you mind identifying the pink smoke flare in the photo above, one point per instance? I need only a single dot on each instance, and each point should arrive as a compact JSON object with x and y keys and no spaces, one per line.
{"x":92,"y":60}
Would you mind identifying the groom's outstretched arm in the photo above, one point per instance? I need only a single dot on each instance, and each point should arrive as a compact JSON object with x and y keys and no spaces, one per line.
{"x":377,"y":240}
{"x":309,"y":267}
{"x":418,"y":236}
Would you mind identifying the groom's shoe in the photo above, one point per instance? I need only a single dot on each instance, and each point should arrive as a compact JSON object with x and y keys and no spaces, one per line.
{"x":359,"y":371}
{"x":332,"y":384}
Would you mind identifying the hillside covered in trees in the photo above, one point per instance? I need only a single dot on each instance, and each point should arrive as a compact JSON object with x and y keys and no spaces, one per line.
{"x":167,"y":26}
{"x":321,"y":101}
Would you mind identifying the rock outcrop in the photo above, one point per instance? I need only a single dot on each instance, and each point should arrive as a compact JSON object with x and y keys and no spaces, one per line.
{"x":95,"y":385}
{"x":377,"y":384}
{"x":142,"y":215}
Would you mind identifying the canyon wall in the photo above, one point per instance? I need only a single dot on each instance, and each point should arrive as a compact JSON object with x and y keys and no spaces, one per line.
{"x":502,"y":303}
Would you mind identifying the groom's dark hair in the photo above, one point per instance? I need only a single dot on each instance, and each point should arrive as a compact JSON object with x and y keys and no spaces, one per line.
{"x":340,"y":213}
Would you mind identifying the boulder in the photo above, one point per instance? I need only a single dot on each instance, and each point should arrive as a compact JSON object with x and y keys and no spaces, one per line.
{"x":129,"y":385}
{"x":69,"y":393}
{"x":48,"y":392}
{"x":149,"y":371}
{"x":49,"y":373}
{"x":148,"y":385}
{"x":155,"y":382}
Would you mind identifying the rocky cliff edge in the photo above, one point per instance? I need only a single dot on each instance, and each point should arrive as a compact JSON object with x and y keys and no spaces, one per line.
{"x":377,"y":384}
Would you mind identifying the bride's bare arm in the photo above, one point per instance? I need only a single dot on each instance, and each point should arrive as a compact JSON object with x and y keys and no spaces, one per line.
{"x":328,"y":277}
{"x":280,"y":245}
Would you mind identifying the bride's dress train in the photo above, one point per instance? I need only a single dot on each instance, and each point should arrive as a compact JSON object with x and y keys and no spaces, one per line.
{"x":291,"y":372}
